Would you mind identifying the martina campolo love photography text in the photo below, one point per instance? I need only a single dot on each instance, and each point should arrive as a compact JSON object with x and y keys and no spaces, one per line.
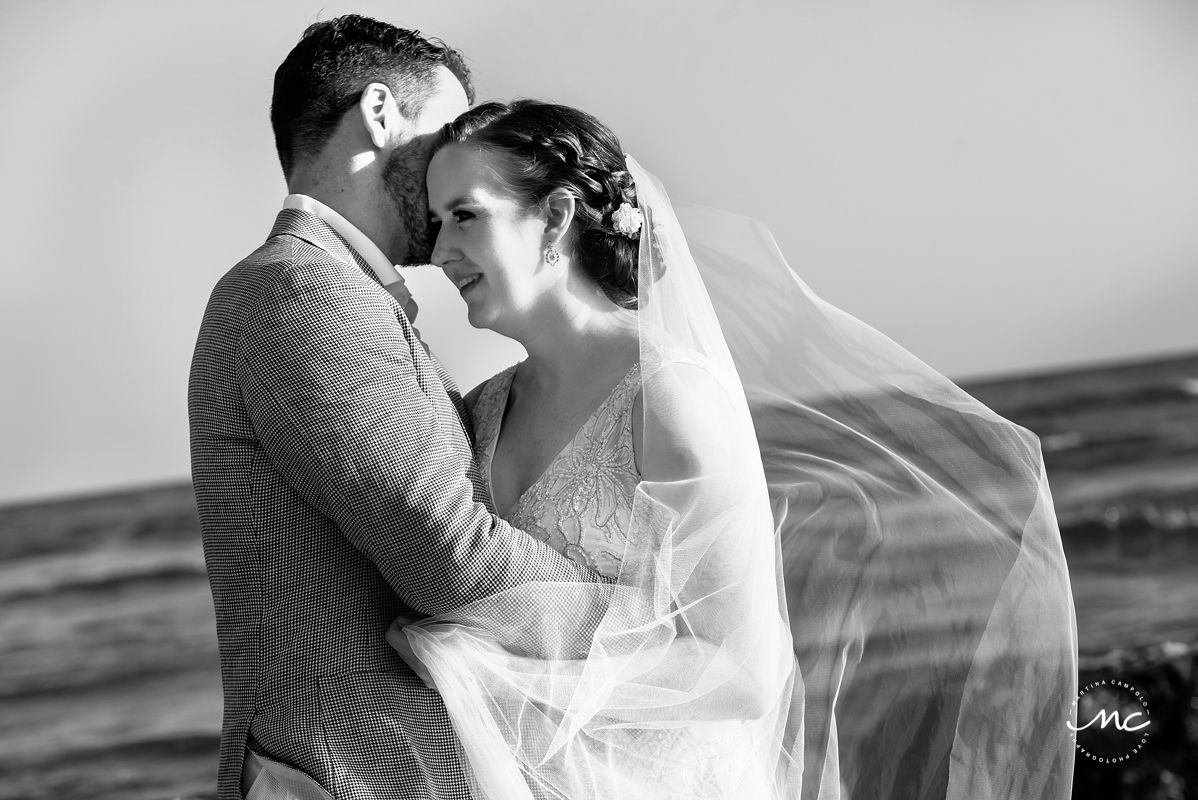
{"x":633,"y":401}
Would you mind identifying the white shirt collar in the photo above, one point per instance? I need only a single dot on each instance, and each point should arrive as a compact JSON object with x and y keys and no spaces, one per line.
{"x":382,"y":267}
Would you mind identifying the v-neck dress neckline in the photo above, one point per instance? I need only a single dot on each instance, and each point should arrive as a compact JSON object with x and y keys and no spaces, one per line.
{"x":581,"y":503}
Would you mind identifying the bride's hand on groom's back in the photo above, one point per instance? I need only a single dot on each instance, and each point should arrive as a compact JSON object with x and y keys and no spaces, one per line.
{"x":399,"y":290}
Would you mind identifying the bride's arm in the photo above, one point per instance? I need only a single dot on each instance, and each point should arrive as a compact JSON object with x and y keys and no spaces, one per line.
{"x":697,"y":461}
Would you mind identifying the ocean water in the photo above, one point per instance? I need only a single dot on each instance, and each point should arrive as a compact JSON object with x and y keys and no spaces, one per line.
{"x":109,"y":682}
{"x":1121,"y":449}
{"x":109,"y":676}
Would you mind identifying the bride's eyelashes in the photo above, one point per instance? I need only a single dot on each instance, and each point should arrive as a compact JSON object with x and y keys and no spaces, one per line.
{"x":458,"y":215}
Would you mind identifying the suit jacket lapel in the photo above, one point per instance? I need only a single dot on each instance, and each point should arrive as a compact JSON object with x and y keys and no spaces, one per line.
{"x":318,"y":233}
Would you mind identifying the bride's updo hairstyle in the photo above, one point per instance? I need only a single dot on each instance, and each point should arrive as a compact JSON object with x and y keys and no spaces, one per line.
{"x":540,"y":147}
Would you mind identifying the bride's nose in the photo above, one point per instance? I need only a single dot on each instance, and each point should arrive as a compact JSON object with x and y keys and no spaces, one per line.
{"x":443,"y":252}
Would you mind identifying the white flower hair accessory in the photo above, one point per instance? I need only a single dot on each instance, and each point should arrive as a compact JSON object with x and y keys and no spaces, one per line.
{"x":627,"y":220}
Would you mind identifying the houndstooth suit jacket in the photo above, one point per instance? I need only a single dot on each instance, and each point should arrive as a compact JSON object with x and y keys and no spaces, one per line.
{"x":336,"y":488}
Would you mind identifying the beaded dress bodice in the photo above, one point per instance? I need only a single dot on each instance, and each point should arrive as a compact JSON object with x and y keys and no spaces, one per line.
{"x":581,"y":504}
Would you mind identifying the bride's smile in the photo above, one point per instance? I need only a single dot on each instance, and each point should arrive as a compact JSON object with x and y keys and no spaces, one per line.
{"x":465,"y":283}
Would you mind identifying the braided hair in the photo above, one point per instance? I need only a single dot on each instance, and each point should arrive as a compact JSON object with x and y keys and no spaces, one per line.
{"x":542,"y":147}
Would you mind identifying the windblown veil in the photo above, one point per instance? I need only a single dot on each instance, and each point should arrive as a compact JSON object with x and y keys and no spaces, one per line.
{"x":844,"y":576}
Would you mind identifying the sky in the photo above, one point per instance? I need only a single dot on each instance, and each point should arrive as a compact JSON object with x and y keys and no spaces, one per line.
{"x":1001,"y":187}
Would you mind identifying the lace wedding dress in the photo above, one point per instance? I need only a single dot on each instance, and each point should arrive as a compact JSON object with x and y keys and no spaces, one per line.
{"x":582,"y":506}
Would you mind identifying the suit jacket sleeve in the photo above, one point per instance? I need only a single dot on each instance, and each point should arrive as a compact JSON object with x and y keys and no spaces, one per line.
{"x":330,"y":381}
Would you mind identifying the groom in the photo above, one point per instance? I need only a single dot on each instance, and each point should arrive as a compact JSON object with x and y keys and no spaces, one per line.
{"x":330,"y":456}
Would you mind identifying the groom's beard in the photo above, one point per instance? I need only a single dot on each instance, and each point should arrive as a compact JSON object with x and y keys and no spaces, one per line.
{"x":403,"y":178}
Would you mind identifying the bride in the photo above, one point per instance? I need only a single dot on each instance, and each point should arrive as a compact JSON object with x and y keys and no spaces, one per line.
{"x":690,"y":446}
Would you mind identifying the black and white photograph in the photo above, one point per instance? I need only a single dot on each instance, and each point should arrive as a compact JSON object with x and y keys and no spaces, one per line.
{"x":639,"y":400}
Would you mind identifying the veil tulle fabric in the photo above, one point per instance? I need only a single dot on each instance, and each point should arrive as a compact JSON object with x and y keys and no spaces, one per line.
{"x":854,"y":589}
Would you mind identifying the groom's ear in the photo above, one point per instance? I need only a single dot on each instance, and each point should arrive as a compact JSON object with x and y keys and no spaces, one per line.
{"x":559,"y":213}
{"x":380,"y":115}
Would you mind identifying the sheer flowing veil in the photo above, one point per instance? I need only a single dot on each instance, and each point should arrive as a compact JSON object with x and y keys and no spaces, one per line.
{"x":852,"y":587}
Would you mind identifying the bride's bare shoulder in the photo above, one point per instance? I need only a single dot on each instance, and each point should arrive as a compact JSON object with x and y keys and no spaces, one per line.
{"x":688,"y":408}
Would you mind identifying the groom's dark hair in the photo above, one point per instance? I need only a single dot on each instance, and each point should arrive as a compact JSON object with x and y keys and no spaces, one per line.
{"x":325,"y":73}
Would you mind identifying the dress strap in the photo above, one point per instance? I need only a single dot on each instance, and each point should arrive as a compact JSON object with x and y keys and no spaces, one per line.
{"x":488,"y":416}
{"x":627,"y":390}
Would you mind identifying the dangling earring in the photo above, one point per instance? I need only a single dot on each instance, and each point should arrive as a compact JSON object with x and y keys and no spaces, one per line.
{"x":552,"y":256}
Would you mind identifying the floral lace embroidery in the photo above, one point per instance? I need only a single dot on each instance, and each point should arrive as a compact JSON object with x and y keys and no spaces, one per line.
{"x":581,"y":505}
